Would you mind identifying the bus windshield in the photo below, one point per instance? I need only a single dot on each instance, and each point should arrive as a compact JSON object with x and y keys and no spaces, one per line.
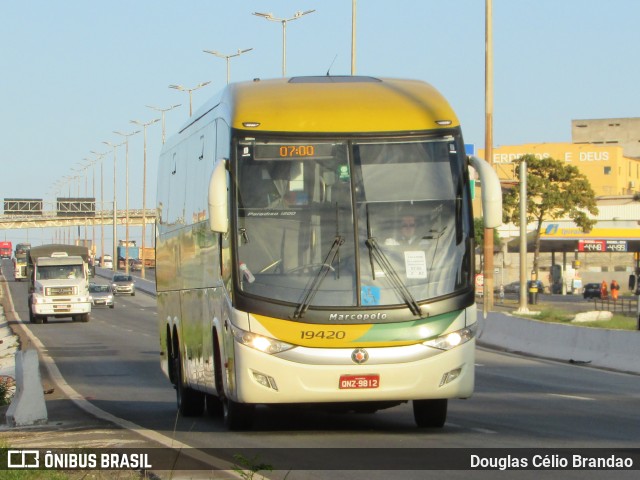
{"x":352,"y":223}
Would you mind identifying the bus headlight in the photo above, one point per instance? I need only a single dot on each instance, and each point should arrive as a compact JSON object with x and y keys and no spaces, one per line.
{"x":452,"y":339}
{"x":260,"y":342}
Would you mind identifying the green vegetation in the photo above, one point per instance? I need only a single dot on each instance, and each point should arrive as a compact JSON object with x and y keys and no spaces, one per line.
{"x":558,"y":315}
{"x":16,"y":474}
{"x":6,"y":390}
{"x":617,"y":322}
{"x":247,"y":468}
{"x":69,"y":475}
{"x":555,"y":190}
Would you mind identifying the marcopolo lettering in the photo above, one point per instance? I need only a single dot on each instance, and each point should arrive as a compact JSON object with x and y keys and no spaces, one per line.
{"x":339,"y":317}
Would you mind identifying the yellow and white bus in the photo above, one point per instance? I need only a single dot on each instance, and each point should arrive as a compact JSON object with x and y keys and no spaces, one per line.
{"x":283,"y":275}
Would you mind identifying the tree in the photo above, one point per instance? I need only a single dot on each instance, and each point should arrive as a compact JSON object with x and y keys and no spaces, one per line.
{"x":554,"y":190}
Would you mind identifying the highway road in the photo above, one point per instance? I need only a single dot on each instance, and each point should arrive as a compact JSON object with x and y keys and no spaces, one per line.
{"x":113,"y":361}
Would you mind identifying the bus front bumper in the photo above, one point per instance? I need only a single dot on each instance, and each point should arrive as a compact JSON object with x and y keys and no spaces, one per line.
{"x":263,"y":378}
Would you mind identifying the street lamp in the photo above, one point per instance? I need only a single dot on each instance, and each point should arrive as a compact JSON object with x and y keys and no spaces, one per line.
{"x":126,"y":162}
{"x":115,"y":213}
{"x":227,"y":57}
{"x":81,"y":170}
{"x":162,"y":112}
{"x":283,"y":21}
{"x":353,"y":37}
{"x":190,"y":90}
{"x":100,"y":157}
{"x":91,"y":163}
{"x":144,"y":190}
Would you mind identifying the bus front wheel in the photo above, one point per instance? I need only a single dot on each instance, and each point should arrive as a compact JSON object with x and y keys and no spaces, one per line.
{"x":237,"y":416}
{"x":430,"y":413}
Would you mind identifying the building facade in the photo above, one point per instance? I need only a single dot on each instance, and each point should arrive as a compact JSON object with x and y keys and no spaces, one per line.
{"x":609,"y":171}
{"x":623,"y":132}
{"x":604,"y":253}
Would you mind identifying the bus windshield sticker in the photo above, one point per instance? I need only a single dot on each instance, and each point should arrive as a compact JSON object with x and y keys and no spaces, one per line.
{"x":370,"y":295}
{"x":415,"y":264}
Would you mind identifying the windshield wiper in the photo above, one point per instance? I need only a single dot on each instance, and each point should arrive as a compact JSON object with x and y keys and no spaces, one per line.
{"x":312,"y":289}
{"x":375,"y":252}
{"x":393,"y":276}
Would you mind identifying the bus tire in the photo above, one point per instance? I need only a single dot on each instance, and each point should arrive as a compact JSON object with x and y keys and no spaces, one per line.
{"x":171,"y":359}
{"x":190,"y":402}
{"x":214,"y":405}
{"x":84,"y":317}
{"x":430,"y":413}
{"x":237,"y":416}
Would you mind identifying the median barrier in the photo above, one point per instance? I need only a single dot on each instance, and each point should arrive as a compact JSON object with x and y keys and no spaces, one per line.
{"x":28,"y":405}
{"x":598,"y":347}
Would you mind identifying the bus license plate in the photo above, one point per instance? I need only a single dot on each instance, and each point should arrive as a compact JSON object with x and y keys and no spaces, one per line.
{"x":359,"y":381}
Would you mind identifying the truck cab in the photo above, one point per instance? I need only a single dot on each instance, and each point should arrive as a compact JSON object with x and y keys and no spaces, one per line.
{"x":59,"y":285}
{"x":20,"y":267}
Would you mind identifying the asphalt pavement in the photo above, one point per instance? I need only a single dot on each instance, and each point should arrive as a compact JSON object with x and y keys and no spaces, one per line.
{"x":69,"y":425}
{"x":73,"y":422}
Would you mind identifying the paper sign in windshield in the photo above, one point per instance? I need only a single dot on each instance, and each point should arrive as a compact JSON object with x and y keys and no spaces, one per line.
{"x":415,"y":264}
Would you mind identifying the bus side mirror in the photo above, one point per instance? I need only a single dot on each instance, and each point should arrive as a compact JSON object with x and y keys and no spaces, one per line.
{"x":491,"y":192}
{"x":218,"y":198}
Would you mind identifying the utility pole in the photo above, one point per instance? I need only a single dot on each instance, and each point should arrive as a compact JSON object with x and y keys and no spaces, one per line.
{"x":488,"y":140}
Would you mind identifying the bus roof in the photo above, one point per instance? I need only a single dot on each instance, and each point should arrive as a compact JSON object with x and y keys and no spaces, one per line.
{"x":334,"y":104}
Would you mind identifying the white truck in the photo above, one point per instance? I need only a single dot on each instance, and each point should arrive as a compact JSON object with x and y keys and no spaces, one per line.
{"x":58,"y":283}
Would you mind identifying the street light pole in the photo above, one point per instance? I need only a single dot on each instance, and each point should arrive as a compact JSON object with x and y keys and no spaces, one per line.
{"x":92,"y":164}
{"x":227,"y":57}
{"x":353,"y":37}
{"x":190,"y":90}
{"x":144,"y":190}
{"x":162,"y":112}
{"x":81,"y":170}
{"x":100,"y":157}
{"x":283,"y":21}
{"x":114,"y":255}
{"x":126,"y":162}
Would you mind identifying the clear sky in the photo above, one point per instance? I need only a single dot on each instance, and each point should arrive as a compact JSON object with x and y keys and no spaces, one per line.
{"x":73,"y":71}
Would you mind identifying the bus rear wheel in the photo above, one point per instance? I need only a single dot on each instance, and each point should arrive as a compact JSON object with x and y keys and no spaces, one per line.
{"x":430,"y":413}
{"x":190,"y":402}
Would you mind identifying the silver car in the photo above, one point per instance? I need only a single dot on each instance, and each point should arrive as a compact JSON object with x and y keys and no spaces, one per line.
{"x":101,"y":295}
{"x":123,"y":284}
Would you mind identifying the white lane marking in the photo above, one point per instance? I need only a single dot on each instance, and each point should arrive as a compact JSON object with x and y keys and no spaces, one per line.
{"x":571,"y":397}
{"x":478,"y":430}
{"x":484,"y":430}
